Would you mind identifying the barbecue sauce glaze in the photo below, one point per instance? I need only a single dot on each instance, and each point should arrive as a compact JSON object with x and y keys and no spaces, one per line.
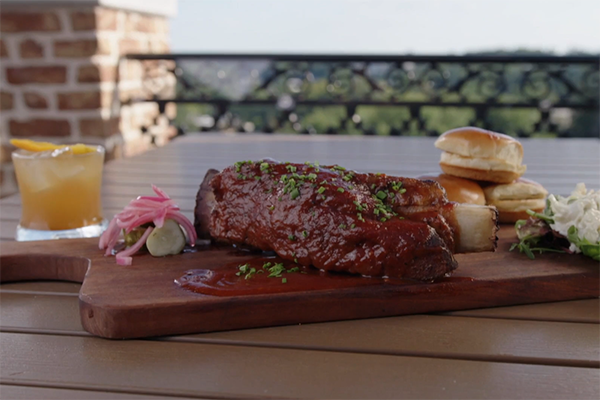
{"x":336,"y":220}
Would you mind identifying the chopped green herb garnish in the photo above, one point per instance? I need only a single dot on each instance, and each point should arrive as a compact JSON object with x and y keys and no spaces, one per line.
{"x":381,"y":195}
{"x":283,"y":280}
{"x":360,"y":217}
{"x":291,"y":168}
{"x":396,"y":186}
{"x":352,"y":226}
{"x":341,"y":190}
{"x":305,"y":234}
{"x":246,"y":271}
{"x":360,"y":207}
{"x":271,"y":208}
{"x":321,"y":189}
{"x":276,"y":270}
{"x":238,"y":165}
{"x":342,"y":226}
{"x":295,"y":193}
{"x":292,"y":237}
{"x":250,"y":273}
{"x":242,"y":269}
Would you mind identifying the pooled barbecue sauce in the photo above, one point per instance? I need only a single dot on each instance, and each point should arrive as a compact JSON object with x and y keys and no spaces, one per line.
{"x":227,"y":280}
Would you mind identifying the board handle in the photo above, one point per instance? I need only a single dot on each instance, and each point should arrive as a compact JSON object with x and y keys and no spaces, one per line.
{"x":34,"y":267}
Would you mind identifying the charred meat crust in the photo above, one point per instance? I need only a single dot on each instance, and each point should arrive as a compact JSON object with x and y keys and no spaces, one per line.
{"x":205,"y":201}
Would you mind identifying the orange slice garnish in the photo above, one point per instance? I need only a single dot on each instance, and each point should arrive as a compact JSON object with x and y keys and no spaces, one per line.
{"x":32,"y":145}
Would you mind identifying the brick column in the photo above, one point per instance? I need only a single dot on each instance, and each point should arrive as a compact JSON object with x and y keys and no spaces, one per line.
{"x":61,"y":78}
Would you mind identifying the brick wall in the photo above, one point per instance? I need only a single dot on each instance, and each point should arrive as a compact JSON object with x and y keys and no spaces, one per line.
{"x":62,"y":79}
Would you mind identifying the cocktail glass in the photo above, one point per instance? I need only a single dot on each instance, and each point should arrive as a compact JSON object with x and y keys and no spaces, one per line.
{"x":60,"y":194}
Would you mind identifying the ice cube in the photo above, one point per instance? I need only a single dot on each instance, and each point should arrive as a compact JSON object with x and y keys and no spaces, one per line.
{"x":36,"y":179}
{"x":66,"y":170}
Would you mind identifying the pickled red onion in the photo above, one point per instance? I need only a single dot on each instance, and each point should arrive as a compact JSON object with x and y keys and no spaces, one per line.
{"x":143,"y":210}
{"x":124,"y":257}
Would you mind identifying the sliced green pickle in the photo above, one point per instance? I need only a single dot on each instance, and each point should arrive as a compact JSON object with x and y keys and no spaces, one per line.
{"x":169,"y":239}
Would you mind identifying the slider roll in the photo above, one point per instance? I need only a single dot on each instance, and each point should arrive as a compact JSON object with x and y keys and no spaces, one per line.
{"x":457,"y":189}
{"x":514,"y":199}
{"x":481,"y":155}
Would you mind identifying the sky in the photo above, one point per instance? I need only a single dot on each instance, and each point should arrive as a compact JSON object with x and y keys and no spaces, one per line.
{"x":384,"y":26}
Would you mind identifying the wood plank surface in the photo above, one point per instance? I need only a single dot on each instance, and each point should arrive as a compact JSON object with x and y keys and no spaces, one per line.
{"x":142,"y":300}
{"x":113,"y":207}
{"x":58,"y":288}
{"x":13,"y":392}
{"x":234,"y":371}
{"x":586,"y":311}
{"x":420,"y":335}
{"x":179,"y":168}
{"x":546,"y":350}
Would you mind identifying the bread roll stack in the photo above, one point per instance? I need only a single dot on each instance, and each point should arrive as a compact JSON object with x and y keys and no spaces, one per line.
{"x":475,"y":160}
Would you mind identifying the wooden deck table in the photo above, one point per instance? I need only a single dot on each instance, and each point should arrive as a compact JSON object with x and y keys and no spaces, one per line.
{"x":540,"y":351}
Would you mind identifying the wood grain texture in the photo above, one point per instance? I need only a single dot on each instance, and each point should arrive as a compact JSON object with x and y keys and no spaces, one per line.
{"x":42,"y":287}
{"x":578,"y":311}
{"x":431,"y":336}
{"x":583,"y":311}
{"x":11,"y":392}
{"x":185,"y":369}
{"x":143,"y":300}
{"x":107,"y":211}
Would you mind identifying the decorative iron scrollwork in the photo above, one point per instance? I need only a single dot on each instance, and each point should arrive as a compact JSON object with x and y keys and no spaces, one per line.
{"x":522,"y":96}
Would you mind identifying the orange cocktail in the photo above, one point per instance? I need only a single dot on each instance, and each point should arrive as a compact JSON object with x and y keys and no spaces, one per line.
{"x":60,"y":190}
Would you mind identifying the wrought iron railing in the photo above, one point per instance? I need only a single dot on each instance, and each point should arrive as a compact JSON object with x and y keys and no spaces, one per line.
{"x":389,"y":95}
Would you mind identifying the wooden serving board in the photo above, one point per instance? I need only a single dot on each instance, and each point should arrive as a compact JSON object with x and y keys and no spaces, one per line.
{"x":142,"y":300}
